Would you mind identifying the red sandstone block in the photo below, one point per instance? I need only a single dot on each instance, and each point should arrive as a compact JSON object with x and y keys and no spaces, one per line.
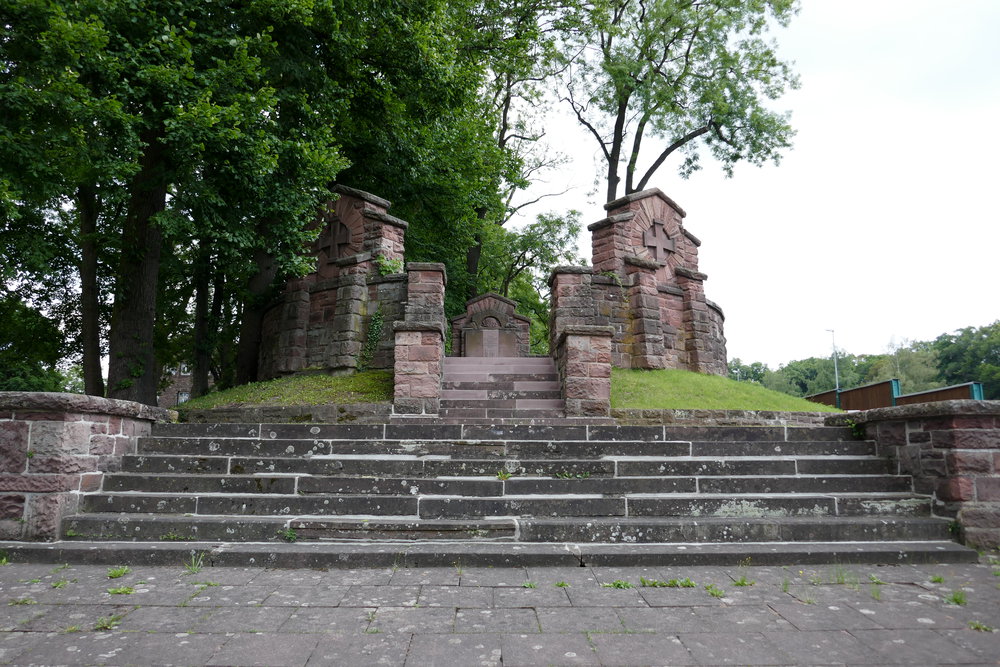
{"x":13,"y":446}
{"x":51,"y":416}
{"x":407,"y":338}
{"x":11,"y":506}
{"x":45,"y":512}
{"x":892,"y":433}
{"x":967,"y":439}
{"x":39,"y":483}
{"x":956,"y":488}
{"x":102,"y":444}
{"x":91,"y":481}
{"x":425,"y":387}
{"x":988,"y":489}
{"x":62,"y":465}
{"x":980,"y":515}
{"x":964,"y":461}
{"x":424,"y":353}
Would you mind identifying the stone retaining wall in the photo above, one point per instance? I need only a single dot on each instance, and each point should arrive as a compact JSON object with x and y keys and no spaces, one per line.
{"x":55,"y":446}
{"x":952,"y":450}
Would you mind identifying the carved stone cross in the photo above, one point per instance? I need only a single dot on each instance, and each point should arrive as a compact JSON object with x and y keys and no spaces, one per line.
{"x":342,"y":241}
{"x":655,"y":238}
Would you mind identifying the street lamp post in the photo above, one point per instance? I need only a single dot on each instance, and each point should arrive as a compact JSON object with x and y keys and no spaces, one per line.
{"x":836,"y":372}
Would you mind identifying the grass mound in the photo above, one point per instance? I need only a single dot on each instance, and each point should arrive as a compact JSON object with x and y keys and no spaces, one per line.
{"x":363,"y":387}
{"x":684,"y":390}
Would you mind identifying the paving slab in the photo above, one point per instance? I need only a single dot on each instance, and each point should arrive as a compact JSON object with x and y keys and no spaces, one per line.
{"x":458,"y":615}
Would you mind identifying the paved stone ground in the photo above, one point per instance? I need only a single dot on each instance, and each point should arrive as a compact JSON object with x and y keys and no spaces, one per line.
{"x":827,"y":614}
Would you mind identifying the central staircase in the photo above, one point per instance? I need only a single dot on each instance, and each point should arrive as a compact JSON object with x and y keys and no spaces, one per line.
{"x":659,"y":493}
{"x":494,"y":388}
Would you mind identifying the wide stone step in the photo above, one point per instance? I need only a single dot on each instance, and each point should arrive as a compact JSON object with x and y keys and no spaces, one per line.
{"x":698,"y":505}
{"x":431,"y":430}
{"x":474,"y":551}
{"x":607,"y":529}
{"x":729,"y":529}
{"x":479,"y":395}
{"x":252,"y":504}
{"x":488,"y":411}
{"x":420,"y":466}
{"x":522,"y":386}
{"x":490,"y":448}
{"x":280,"y":529}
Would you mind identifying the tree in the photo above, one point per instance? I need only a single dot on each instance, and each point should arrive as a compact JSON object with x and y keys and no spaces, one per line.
{"x":971,"y":354}
{"x":685,"y":72}
{"x":913,"y":363}
{"x":754,"y":372}
{"x":30,"y":347}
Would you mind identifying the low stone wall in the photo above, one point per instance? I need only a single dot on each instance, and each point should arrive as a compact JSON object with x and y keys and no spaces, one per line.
{"x":719,"y":417}
{"x":952,"y":450}
{"x":332,"y":413}
{"x":54,"y":446}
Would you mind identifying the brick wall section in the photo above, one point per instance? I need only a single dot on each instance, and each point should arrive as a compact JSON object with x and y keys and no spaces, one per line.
{"x":583,"y":358}
{"x":419,"y":339}
{"x":55,"y":446}
{"x":645,"y":284}
{"x":952,"y":450}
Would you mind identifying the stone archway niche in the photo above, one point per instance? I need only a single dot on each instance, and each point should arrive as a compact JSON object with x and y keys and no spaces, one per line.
{"x":490,"y":328}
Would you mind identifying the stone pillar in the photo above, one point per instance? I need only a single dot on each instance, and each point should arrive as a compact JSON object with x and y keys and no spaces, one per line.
{"x":419,"y":338}
{"x":583,"y":357}
{"x":952,"y":450}
{"x":644,"y":307}
{"x":54,"y":447}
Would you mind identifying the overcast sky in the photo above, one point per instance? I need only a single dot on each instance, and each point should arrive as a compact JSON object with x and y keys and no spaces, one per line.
{"x":881,"y":223}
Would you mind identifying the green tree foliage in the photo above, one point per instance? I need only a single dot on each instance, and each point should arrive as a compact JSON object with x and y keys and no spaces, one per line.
{"x":685,"y":73}
{"x":971,"y":354}
{"x":753,"y":372}
{"x":30,"y":348}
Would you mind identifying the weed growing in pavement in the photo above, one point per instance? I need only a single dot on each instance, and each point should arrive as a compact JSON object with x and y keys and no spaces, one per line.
{"x":937,"y":579}
{"x":109,"y":622}
{"x":652,"y":583}
{"x":22,"y":601}
{"x":980,"y":627}
{"x":784,"y":585}
{"x":529,"y":584}
{"x":681,"y":583}
{"x":4,"y":560}
{"x":808,"y":601}
{"x":60,"y":584}
{"x":122,"y":590}
{"x":561,"y":584}
{"x":194,"y":565}
{"x":876,"y":591}
{"x":72,"y":628}
{"x":957,"y":598}
{"x":36,"y":580}
{"x":503,"y":475}
{"x":715,"y":591}
{"x":60,"y":568}
{"x":618,"y":583}
{"x":875,"y":580}
{"x":743,"y":581}
{"x":288,"y":535}
{"x":458,"y":567}
{"x":118,"y":572}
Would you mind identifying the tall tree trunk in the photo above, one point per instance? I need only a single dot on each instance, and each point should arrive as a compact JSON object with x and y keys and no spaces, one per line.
{"x":202,"y":344}
{"x":472,"y":257}
{"x":132,"y":371}
{"x":617,"y":139}
{"x":254,"y":305}
{"x":88,"y":208}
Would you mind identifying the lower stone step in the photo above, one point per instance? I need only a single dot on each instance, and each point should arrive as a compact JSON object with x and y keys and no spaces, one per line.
{"x":729,"y":529}
{"x":611,"y":530}
{"x":473,"y":553}
{"x":177,"y":528}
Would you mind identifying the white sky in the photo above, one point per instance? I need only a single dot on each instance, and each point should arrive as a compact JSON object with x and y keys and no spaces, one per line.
{"x":880,"y":223}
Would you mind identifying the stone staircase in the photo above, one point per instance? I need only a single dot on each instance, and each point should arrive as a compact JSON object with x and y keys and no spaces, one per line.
{"x":779,"y":489}
{"x":500,"y":388}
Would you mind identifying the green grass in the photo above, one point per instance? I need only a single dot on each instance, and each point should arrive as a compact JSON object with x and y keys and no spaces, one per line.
{"x":318,"y":389}
{"x":680,"y":390}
